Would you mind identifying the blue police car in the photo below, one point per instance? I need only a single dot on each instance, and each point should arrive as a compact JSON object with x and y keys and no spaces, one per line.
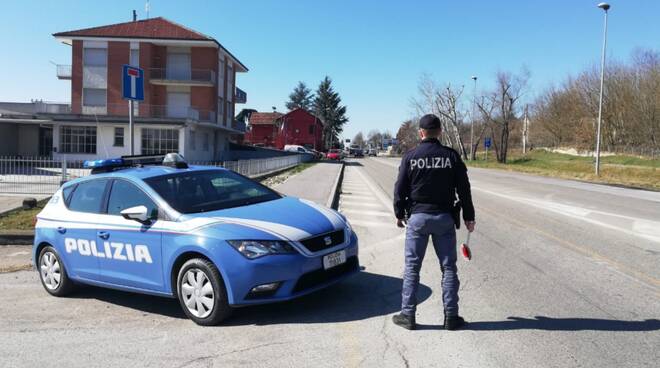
{"x":205,"y":235}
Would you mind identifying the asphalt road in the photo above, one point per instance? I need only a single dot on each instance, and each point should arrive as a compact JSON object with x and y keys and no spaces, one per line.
{"x":547,"y":288}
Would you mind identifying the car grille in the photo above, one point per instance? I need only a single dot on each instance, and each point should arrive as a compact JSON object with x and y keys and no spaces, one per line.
{"x":321,"y":276}
{"x":318,"y":243}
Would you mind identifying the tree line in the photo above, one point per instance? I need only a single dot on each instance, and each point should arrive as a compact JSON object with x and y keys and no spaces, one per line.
{"x":561,"y":116}
{"x":325,"y":103}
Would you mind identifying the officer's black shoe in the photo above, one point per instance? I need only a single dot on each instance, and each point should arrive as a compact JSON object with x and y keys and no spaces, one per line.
{"x":405,"y":321}
{"x":454,"y":322}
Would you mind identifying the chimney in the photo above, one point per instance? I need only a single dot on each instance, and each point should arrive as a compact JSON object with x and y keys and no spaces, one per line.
{"x":134,"y":15}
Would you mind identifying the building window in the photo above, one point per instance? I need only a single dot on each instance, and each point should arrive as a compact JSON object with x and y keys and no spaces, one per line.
{"x":311,"y":129}
{"x":95,"y":57}
{"x":119,"y":137}
{"x":94,"y":96}
{"x":159,"y":141}
{"x":205,"y":143}
{"x":77,"y":139}
{"x":193,"y":140}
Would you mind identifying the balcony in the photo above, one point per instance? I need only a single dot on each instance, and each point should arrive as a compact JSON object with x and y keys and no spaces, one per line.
{"x":145,"y":111}
{"x":182,"y":77}
{"x":64,"y":72}
{"x":240,"y":96}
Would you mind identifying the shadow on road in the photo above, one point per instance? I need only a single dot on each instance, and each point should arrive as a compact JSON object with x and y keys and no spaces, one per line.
{"x":142,"y":302}
{"x":352,"y":163}
{"x":558,"y":324}
{"x":362,"y":296}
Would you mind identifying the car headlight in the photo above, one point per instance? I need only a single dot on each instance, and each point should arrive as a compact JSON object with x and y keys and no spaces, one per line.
{"x":258,"y":248}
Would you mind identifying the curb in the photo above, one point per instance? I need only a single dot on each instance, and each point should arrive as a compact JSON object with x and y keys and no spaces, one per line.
{"x":17,"y":237}
{"x":333,"y":199}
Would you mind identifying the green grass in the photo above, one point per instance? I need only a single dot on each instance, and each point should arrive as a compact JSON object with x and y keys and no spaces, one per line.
{"x":619,"y":170}
{"x":20,"y":219}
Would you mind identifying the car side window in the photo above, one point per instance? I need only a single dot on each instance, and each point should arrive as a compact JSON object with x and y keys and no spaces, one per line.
{"x":125,"y":195}
{"x":87,"y":196}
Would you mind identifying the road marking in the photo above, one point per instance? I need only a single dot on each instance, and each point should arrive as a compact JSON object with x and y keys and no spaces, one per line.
{"x":584,"y":251}
{"x":370,"y":213}
{"x":375,"y":190}
{"x":649,"y":230}
{"x":360,"y":204}
{"x":361,"y":223}
{"x":20,"y":253}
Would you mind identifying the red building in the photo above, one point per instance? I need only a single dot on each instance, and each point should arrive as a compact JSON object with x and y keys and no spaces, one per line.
{"x":301,"y":128}
{"x":263,"y":129}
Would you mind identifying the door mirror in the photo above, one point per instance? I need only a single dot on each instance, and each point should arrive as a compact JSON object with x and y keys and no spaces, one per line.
{"x":137,"y":213}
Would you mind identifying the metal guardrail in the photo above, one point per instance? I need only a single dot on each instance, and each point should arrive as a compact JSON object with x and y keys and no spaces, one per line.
{"x":44,"y":175}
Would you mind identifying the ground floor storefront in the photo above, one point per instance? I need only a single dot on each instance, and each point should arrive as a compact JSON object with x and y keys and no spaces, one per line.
{"x":80,"y":140}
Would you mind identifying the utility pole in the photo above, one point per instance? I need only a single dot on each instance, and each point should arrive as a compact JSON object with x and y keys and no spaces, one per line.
{"x":525,"y":131}
{"x":474,"y":116}
{"x":605,"y":7}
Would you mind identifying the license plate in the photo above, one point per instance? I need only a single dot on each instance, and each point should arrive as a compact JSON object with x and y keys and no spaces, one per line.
{"x":334,"y":259}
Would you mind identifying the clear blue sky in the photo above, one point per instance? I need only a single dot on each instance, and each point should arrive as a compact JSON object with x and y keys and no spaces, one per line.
{"x":375,"y":50}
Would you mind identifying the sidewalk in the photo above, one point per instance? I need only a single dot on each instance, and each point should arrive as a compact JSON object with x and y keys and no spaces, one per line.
{"x":317,"y":183}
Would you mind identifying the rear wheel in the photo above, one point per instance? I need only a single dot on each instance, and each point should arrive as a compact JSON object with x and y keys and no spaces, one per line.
{"x":52,"y":273}
{"x":202,"y":293}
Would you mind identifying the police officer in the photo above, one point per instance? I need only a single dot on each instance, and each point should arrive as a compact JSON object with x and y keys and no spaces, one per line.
{"x":430,"y":176}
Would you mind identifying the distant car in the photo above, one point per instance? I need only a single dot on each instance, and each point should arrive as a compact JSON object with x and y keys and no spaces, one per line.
{"x":373,"y":152}
{"x":358,"y":152}
{"x":297,"y":148}
{"x":334,"y":154}
{"x":205,"y":235}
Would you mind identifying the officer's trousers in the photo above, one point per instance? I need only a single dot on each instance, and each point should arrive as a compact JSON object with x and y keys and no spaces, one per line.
{"x":440,"y":227}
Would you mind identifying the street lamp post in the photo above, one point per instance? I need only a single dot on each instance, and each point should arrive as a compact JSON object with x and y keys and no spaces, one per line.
{"x":474,"y":105}
{"x":605,"y":7}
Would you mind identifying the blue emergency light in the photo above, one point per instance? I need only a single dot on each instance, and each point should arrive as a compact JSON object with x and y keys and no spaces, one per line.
{"x":105,"y":163}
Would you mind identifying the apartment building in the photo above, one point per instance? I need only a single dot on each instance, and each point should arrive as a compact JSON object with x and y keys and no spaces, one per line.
{"x":190,"y":94}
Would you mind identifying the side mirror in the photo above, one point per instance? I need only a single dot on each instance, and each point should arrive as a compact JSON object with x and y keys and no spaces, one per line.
{"x":137,"y":213}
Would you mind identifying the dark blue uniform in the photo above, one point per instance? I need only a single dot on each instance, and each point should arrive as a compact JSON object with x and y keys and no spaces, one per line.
{"x":430,"y":177}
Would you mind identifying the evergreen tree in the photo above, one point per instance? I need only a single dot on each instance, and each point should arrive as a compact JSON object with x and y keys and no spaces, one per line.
{"x":301,"y":97}
{"x":327,"y":106}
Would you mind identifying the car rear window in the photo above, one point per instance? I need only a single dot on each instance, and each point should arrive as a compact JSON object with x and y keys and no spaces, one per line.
{"x":212,"y":190}
{"x":88,"y":195}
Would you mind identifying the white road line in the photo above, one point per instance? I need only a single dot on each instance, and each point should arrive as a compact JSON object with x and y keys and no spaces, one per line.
{"x":358,"y":197}
{"x":378,"y":192}
{"x":361,"y":223}
{"x":649,"y":230}
{"x":21,"y":253}
{"x":369,"y":213}
{"x":360,"y":204}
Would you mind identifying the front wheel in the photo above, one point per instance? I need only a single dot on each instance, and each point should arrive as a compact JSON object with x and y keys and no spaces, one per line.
{"x":202,"y":293}
{"x":52,"y":273}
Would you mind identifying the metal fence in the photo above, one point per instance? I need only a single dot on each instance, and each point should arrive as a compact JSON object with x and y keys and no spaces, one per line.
{"x":43,"y":175}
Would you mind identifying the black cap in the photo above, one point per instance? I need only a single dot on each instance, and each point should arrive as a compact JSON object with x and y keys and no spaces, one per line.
{"x":429,"y":122}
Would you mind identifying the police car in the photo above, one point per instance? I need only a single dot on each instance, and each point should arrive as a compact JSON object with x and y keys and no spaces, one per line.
{"x":205,"y":235}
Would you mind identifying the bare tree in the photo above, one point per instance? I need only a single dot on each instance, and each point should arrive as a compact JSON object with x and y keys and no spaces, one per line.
{"x":374,"y":138}
{"x":447,"y":104}
{"x":499,"y":109}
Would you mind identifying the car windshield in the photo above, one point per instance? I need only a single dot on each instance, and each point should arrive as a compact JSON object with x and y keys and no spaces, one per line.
{"x":212,"y":190}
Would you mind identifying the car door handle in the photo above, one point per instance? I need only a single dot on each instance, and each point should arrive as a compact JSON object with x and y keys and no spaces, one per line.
{"x":61,"y":230}
{"x":104,"y":234}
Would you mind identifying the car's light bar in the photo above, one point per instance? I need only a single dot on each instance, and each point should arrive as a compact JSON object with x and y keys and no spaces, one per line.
{"x":110,"y":164}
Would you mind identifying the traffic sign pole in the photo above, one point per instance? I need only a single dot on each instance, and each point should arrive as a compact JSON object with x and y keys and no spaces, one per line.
{"x":130,"y":126}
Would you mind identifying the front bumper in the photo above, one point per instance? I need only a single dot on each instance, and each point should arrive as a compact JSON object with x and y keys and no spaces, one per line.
{"x":298,"y":275}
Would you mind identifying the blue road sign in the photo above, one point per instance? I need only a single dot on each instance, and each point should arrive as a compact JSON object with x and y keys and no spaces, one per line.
{"x":133,"y":83}
{"x":487,"y":142}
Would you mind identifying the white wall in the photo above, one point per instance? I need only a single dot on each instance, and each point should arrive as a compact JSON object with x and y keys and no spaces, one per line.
{"x":105,"y":137}
{"x":198,"y":153}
